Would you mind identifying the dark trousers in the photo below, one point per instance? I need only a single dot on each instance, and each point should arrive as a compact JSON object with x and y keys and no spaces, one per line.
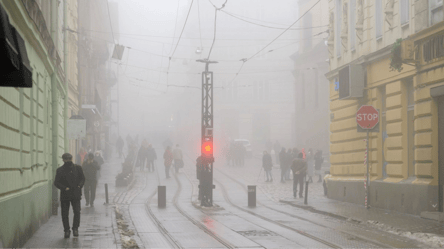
{"x":298,"y":179}
{"x":167,"y":171}
{"x":142,"y":164}
{"x":177,"y":163}
{"x":89,"y":188}
{"x":65,"y":214}
{"x":150,"y":165}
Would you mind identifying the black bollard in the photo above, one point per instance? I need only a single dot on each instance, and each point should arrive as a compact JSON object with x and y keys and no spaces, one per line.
{"x":252,"y":196}
{"x":161,"y":196}
{"x":106,"y":193}
{"x":306,"y":193}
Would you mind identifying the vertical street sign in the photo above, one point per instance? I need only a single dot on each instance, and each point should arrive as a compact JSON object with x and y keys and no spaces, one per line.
{"x":367,"y":119}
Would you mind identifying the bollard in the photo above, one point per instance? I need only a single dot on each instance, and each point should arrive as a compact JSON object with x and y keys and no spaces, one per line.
{"x":306,"y":193}
{"x":252,"y":195}
{"x":106,"y":193}
{"x":161,"y":196}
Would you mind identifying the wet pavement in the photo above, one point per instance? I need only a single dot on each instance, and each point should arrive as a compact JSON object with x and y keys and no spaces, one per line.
{"x":278,"y":220}
{"x":96,"y":223}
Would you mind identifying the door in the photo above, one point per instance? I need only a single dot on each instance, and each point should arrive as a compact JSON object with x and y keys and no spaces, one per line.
{"x":440,"y":152}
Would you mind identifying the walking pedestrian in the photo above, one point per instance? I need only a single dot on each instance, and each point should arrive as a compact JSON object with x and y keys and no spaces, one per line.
{"x":119,"y":145}
{"x":80,"y":157}
{"x":267,"y":164}
{"x":277,"y":149}
{"x":151,"y":157}
{"x":318,"y":164}
{"x":310,"y":165}
{"x":283,"y":164}
{"x":70,"y":179}
{"x":288,"y":161}
{"x":178,"y":158}
{"x":168,"y":160}
{"x":90,"y":168}
{"x":142,"y":155}
{"x":299,"y":168}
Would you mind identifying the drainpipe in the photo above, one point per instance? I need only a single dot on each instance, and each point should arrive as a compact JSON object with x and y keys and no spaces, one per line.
{"x":55,"y":106}
{"x":65,"y":69}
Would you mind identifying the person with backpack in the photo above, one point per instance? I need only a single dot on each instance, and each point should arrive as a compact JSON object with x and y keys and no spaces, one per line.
{"x":299,"y":168}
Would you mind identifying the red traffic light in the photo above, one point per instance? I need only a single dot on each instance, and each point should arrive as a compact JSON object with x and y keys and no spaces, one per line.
{"x":207,"y":148}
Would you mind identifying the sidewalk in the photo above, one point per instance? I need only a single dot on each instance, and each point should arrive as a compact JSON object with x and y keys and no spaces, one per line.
{"x":96,"y":223}
{"x":413,"y":227}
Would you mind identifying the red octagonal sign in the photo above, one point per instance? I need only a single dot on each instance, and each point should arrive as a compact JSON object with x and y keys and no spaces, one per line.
{"x":367,"y":117}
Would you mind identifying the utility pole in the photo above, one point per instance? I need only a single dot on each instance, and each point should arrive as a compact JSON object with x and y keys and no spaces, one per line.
{"x":207,"y":159}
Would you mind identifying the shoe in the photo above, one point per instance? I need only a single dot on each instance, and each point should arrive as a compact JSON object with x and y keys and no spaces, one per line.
{"x":92,"y":204}
{"x":67,"y":234}
{"x":271,"y":180}
{"x":87,"y":204}
{"x":301,"y":196}
{"x":75,"y":232}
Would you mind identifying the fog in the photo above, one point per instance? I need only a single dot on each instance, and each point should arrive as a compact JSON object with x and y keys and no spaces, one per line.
{"x":160,"y":81}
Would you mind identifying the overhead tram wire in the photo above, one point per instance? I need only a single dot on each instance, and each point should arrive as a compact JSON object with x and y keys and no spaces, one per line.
{"x":175,"y":24}
{"x":251,"y":57}
{"x":183,"y":28}
{"x":110,"y":24}
{"x":284,"y":30}
{"x":266,"y":26}
{"x":216,"y":9}
{"x":200,"y":30}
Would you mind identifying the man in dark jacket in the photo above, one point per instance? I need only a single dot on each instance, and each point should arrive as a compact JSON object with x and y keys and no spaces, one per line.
{"x":70,"y":179}
{"x":151,"y":156}
{"x":267,"y":163}
{"x":90,"y":168}
{"x":299,"y":168}
{"x":283,"y":164}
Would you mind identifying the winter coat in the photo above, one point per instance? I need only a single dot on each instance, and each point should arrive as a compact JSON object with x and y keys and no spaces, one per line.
{"x":318,"y":161}
{"x":283,"y":159}
{"x":69,"y":175}
{"x":299,"y":166}
{"x":267,"y":162}
{"x":168,"y":158}
{"x":151,"y":154}
{"x":90,"y":170}
{"x":177,"y":154}
{"x":99,"y":160}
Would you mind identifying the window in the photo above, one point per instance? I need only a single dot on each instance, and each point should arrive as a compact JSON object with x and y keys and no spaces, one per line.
{"x":338,"y":27}
{"x":435,"y":11}
{"x":352,"y":24}
{"x":404,"y":11}
{"x":378,"y":17}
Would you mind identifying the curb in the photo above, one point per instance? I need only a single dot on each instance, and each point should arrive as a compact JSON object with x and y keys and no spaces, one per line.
{"x":314,"y":210}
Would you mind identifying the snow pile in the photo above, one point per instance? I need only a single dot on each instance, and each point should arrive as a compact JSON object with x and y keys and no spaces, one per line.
{"x":125,"y":233}
{"x":430,"y":239}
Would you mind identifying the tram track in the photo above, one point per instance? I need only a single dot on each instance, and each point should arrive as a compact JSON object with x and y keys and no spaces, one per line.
{"x":355,"y":237}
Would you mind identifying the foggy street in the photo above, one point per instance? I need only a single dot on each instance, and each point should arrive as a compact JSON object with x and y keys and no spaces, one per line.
{"x":222,"y":124}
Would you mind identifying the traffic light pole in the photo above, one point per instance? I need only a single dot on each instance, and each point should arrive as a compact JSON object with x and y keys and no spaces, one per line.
{"x":206,"y":169}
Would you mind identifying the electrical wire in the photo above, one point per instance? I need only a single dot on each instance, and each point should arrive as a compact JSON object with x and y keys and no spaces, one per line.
{"x":200,"y":31}
{"x":266,"y":26}
{"x":214,"y":37}
{"x":285,"y":30}
{"x":183,"y":28}
{"x":110,"y":24}
{"x":175,"y":24}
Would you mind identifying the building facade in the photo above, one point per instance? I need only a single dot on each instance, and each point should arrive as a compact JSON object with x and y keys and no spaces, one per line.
{"x":96,"y":41}
{"x":404,"y":80}
{"x":32,"y":120}
{"x":311,"y":87}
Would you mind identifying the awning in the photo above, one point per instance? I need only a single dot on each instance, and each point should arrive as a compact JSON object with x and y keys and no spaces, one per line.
{"x":93,"y":109}
{"x":16,"y":70}
{"x":8,"y":49}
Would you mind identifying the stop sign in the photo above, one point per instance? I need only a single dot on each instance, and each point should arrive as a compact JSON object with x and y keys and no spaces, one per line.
{"x":367,"y":117}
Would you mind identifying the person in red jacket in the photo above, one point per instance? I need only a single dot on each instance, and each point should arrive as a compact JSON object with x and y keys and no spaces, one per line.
{"x":168,"y":160}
